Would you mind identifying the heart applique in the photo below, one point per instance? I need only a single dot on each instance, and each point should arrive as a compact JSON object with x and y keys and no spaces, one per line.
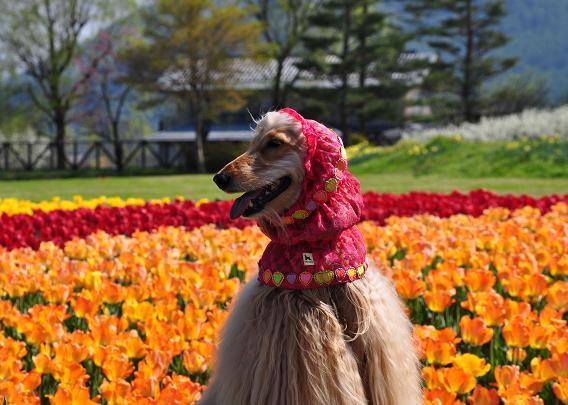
{"x":266,"y":276}
{"x":324,"y":277}
{"x":291,"y":278}
{"x":351,"y":273}
{"x":305,"y":278}
{"x":300,"y":214}
{"x":331,"y":185}
{"x":340,"y":274}
{"x":311,"y":206}
{"x":360,"y":271}
{"x":277,"y":278}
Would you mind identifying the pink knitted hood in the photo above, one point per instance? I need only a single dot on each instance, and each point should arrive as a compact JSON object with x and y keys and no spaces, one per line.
{"x":322,"y":245}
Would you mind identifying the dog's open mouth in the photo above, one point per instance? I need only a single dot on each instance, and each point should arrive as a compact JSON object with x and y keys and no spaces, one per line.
{"x":252,"y":202}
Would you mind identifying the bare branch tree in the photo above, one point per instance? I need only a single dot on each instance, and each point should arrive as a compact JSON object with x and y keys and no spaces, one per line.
{"x":42,"y":38}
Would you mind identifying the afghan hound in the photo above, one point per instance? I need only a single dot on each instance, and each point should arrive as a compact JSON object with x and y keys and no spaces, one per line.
{"x":320,"y":325}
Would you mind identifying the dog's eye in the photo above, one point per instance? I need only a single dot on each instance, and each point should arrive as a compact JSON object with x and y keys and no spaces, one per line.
{"x":273,"y":143}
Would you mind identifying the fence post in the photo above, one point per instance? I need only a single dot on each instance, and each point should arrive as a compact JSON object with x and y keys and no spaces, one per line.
{"x":97,"y":155}
{"x":143,"y":154}
{"x":29,"y":164}
{"x":51,"y":146}
{"x":6,"y":147}
{"x":75,"y":155}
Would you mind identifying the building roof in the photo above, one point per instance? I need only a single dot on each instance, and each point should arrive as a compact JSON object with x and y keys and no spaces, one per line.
{"x":215,"y":135}
{"x":249,"y":74}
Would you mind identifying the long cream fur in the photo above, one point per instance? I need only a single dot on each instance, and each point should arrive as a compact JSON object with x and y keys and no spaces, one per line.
{"x":344,"y":345}
{"x":348,"y":344}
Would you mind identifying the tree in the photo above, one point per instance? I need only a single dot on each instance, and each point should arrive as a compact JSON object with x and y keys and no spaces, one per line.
{"x":190,"y":50}
{"x":384,"y":69}
{"x":464,"y":34}
{"x":514,"y":94}
{"x":104,"y":97}
{"x":18,"y":120}
{"x":283,"y":23}
{"x":42,"y":38}
{"x":355,"y":59}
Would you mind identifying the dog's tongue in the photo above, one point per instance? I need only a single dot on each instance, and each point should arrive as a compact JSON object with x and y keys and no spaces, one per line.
{"x":241,"y":203}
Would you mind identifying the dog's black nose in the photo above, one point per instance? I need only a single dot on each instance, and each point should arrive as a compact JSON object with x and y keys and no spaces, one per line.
{"x":222,"y":180}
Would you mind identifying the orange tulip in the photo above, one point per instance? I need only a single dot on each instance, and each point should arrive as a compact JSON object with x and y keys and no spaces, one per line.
{"x":70,"y":374}
{"x":117,"y":366}
{"x":78,"y":395}
{"x":516,"y":333}
{"x":557,"y":295}
{"x":539,"y":336}
{"x":456,"y":380}
{"x":178,"y":386}
{"x":408,"y":286}
{"x":559,"y":363}
{"x":530,"y":382}
{"x":561,"y":389}
{"x":86,"y":304}
{"x":471,"y":364}
{"x":489,"y":305}
{"x":514,"y":308}
{"x":116,"y":392}
{"x":439,"y":300}
{"x":131,"y":343}
{"x":484,"y":396}
{"x":43,"y":364}
{"x":437,"y":352}
{"x":542,"y":369}
{"x":535,"y":287}
{"x":194,"y":362}
{"x":479,"y":279}
{"x":474,"y":332}
{"x":430,"y":377}
{"x":70,"y":352}
{"x":516,"y":355}
{"x":439,"y":397}
{"x":506,"y":376}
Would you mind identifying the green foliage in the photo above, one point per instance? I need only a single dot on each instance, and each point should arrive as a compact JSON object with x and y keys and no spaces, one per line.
{"x":28,"y":300}
{"x":187,"y":52}
{"x":283,"y":22}
{"x":539,"y":158}
{"x":538,"y":37}
{"x":514,"y":94}
{"x":464,"y":33}
{"x":356,"y":58}
{"x":42,"y":38}
{"x":18,"y":117}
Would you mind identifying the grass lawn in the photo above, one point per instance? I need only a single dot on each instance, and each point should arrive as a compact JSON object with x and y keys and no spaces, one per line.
{"x":447,"y":157}
{"x":200,"y":186}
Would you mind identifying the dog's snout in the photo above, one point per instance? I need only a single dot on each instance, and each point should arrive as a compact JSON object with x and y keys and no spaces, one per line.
{"x":222,"y":180}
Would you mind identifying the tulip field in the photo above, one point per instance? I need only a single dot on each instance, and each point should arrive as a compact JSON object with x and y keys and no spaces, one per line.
{"x":119,"y":301}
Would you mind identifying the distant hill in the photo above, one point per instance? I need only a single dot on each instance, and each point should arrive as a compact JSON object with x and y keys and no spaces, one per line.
{"x":539,"y":37}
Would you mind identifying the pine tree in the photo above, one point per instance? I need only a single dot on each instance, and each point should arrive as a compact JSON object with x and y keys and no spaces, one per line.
{"x":351,"y":51}
{"x":464,"y":33}
{"x":283,"y":22}
{"x":378,"y":52}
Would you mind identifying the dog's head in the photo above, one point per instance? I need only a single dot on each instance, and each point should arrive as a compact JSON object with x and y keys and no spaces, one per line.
{"x":270,"y":172}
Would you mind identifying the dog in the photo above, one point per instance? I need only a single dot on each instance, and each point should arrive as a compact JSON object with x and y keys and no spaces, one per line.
{"x":319,"y":326}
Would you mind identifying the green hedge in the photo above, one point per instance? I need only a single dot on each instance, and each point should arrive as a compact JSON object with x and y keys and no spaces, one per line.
{"x":545,"y":157}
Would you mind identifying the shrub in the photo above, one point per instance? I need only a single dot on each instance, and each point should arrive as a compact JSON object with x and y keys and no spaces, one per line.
{"x":529,"y":123}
